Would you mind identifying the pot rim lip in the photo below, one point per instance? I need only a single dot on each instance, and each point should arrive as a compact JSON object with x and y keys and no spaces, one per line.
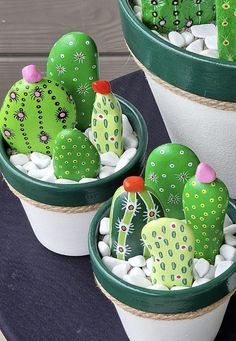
{"x":90,"y":185}
{"x":167,"y":45}
{"x":182,"y":293}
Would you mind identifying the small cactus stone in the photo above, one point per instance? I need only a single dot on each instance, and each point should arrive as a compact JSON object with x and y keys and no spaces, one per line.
{"x":167,"y":15}
{"x":167,"y":170}
{"x":171,"y":245}
{"x":107,"y":124}
{"x":73,"y":62}
{"x":74,"y":156}
{"x":205,"y":200}
{"x":226,"y":25}
{"x":133,"y":206}
{"x":34,"y":111}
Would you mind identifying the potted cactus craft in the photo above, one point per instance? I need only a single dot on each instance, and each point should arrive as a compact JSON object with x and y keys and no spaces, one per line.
{"x":195,"y":93}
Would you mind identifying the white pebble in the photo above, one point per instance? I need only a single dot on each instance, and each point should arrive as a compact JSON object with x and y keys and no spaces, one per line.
{"x":202,"y":267}
{"x":111,"y":262}
{"x":49,"y":178}
{"x":106,"y":239}
{"x":158,"y":287}
{"x":211,"y":272}
{"x":163,"y":36}
{"x":147,"y":271}
{"x":200,"y":281}
{"x":121,"y":270}
{"x":149,"y":264}
{"x":40,"y":160}
{"x":210,"y":53}
{"x":175,"y":288}
{"x":19,"y":159}
{"x":195,"y":273}
{"x":211,"y":42}
{"x":222,"y":267}
{"x":137,"y":272}
{"x":196,"y":46}
{"x":87,"y":132}
{"x":66,"y":182}
{"x":228,"y":221}
{"x":137,"y":9}
{"x":127,"y":128}
{"x":176,"y":39}
{"x":137,"y":280}
{"x":228,"y":252}
{"x":109,"y":159}
{"x":29,"y":166}
{"x":90,"y":136}
{"x":230,"y":239}
{"x":21,"y":168}
{"x":39,"y":173}
{"x":130,"y":141}
{"x":139,"y":16}
{"x":218,"y":259}
{"x":121,"y":164}
{"x":188,"y":37}
{"x":104,"y":249}
{"x":137,"y":261}
{"x":104,"y":226}
{"x":87,"y":180}
{"x":129,"y":154}
{"x":106,"y":171}
{"x":204,"y":31}
{"x":230,"y":229}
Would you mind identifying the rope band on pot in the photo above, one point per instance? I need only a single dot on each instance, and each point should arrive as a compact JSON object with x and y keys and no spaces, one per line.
{"x":166,"y":317}
{"x":212,"y":103}
{"x":59,"y":209}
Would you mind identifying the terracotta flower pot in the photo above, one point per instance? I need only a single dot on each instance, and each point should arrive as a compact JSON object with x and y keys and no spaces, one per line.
{"x":60,"y":215}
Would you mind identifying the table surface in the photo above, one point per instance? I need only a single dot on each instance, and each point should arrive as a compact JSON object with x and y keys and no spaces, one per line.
{"x":48,"y":297}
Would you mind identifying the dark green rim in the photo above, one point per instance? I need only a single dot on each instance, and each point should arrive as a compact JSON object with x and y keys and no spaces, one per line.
{"x":82,"y":194}
{"x":156,"y":301}
{"x":203,"y":76}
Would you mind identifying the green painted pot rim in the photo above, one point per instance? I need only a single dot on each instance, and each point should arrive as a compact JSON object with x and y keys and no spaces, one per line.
{"x":199,"y":75}
{"x":158,"y":301}
{"x":81,"y":194}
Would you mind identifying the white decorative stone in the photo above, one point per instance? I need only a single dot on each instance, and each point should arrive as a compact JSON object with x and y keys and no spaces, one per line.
{"x":211,"y":272}
{"x":204,"y":30}
{"x":39,"y":173}
{"x":50,"y":177}
{"x":106,"y":239}
{"x":163,"y":36}
{"x":210,"y":53}
{"x":195,"y":273}
{"x":29,"y":166}
{"x":90,"y":136}
{"x":137,"y":261}
{"x":40,"y":160}
{"x":158,"y":287}
{"x":104,"y":226}
{"x":149,"y":264}
{"x":87,"y":180}
{"x":218,"y":259}
{"x":111,"y":262}
{"x":19,"y":159}
{"x":230,"y":239}
{"x":196,"y":46}
{"x":121,"y":270}
{"x":137,"y":9}
{"x":200,"y":281}
{"x":147,"y":271}
{"x":109,"y":159}
{"x":211,"y":42}
{"x":130,"y":141}
{"x":137,"y":272}
{"x":202,"y":266}
{"x":137,"y":280}
{"x":66,"y":182}
{"x":121,"y":164}
{"x":87,"y":132}
{"x":139,"y":16}
{"x":106,"y":171}
{"x":188,"y":37}
{"x":228,"y":252}
{"x":228,"y":221}
{"x":21,"y":168}
{"x":127,"y":128}
{"x":129,"y":154}
{"x":222,"y":267}
{"x":178,"y":288}
{"x":176,"y":39}
{"x":104,"y":249}
{"x":230,"y":229}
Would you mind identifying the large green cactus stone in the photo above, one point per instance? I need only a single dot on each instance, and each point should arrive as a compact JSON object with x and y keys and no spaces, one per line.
{"x":171,"y":245}
{"x":107,"y":124}
{"x":73,"y":62}
{"x":74,"y":156}
{"x":167,"y":170}
{"x":34,"y":111}
{"x":226,"y":24}
{"x":133,"y":206}
{"x":173,"y":15}
{"x":205,"y":200}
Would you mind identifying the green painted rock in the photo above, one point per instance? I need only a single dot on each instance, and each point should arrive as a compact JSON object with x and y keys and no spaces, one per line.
{"x":34,"y":111}
{"x":205,"y":200}
{"x":73,"y":62}
{"x":107,"y":124}
{"x":226,"y":24}
{"x":173,"y":15}
{"x":171,"y":245}
{"x":133,"y":206}
{"x":74,"y":156}
{"x":168,"y":169}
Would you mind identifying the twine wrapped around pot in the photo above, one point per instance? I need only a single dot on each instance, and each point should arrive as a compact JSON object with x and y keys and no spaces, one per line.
{"x":164,"y":317}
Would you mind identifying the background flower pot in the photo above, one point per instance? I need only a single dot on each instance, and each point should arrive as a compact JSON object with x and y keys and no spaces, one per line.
{"x":191,"y":314}
{"x":60,"y":214}
{"x":196,"y":95}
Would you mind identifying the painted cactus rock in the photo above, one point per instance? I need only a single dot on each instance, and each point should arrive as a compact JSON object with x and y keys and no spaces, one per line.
{"x":73,"y":62}
{"x":205,"y":200}
{"x":167,"y":170}
{"x":173,"y":15}
{"x":171,"y":245}
{"x":226,"y":25}
{"x":133,"y":205}
{"x":34,"y":111}
{"x":107,"y":124}
{"x":74,"y":156}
